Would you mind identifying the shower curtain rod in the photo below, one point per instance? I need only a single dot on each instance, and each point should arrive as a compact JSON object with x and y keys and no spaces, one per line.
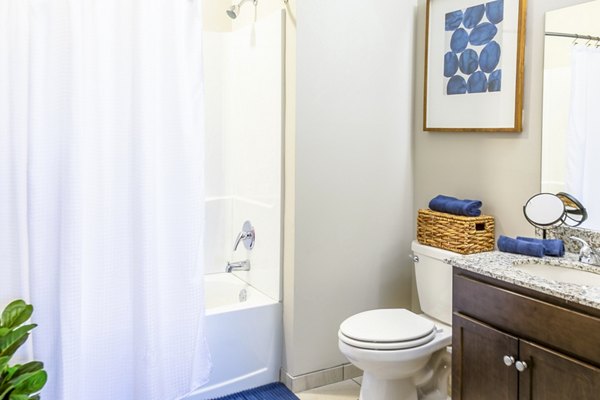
{"x":573,"y":35}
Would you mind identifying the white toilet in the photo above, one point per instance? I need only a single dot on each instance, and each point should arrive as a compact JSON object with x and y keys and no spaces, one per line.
{"x":394,"y":346}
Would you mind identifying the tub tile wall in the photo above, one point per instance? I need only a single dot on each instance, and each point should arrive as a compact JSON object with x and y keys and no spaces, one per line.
{"x":265,"y":257}
{"x":218,"y":225}
{"x":244,"y":148}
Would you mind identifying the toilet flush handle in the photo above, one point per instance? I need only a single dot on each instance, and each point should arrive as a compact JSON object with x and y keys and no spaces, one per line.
{"x":414,"y":258}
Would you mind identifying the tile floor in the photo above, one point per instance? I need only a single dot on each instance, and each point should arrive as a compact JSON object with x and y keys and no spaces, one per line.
{"x":346,"y":390}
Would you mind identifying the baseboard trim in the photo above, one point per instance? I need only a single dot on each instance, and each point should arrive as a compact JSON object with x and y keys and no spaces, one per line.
{"x":312,"y":380}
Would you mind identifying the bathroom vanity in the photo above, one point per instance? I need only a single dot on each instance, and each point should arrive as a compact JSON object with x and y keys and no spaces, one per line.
{"x":521,"y":336}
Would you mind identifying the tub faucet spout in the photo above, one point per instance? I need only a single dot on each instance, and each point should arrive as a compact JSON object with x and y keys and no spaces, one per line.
{"x":238,"y":266}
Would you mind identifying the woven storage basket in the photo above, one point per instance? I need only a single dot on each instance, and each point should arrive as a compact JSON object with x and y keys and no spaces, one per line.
{"x":464,"y":235}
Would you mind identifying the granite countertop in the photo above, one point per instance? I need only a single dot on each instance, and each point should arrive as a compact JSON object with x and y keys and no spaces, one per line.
{"x":498,"y":265}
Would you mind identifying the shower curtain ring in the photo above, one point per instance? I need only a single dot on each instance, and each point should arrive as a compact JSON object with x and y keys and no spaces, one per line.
{"x":575,"y":41}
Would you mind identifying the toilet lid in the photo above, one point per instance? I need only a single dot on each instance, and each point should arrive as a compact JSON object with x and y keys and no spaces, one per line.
{"x":399,"y":328}
{"x":387,"y":345}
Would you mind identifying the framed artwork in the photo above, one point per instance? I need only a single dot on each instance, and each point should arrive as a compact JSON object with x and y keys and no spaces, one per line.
{"x":474,"y":55}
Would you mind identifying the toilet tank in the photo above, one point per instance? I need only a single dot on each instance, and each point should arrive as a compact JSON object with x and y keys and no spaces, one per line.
{"x":434,"y":281}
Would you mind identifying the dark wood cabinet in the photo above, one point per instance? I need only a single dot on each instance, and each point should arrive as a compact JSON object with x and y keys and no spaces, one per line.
{"x":493,"y":334}
{"x":554,"y":376}
{"x":478,"y":370}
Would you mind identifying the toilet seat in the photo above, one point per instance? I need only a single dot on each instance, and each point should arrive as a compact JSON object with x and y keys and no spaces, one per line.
{"x":387,"y":329}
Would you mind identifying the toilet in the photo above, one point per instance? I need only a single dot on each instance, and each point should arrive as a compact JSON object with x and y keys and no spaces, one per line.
{"x":394,"y":347}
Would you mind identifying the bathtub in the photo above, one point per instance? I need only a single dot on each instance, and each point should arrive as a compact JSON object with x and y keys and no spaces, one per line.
{"x":244,"y":333}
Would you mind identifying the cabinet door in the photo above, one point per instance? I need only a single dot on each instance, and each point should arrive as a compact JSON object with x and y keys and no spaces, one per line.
{"x":478,"y":369}
{"x":554,"y":376}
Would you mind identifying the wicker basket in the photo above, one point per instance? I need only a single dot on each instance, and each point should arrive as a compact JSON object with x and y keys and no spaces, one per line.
{"x":464,"y":235}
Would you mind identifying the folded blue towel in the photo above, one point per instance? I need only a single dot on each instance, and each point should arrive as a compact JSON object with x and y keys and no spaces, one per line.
{"x":510,"y":245}
{"x":452,"y":205}
{"x":552,"y":247}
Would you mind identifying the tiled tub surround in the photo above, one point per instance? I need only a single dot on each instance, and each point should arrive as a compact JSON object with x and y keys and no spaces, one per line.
{"x":500,"y":266}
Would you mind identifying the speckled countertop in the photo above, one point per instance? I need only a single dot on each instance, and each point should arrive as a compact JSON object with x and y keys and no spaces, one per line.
{"x":501,"y":266}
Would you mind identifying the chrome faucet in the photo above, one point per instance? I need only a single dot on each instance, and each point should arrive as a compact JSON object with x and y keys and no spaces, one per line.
{"x":587,"y":254}
{"x":238,"y":266}
{"x":246,"y":236}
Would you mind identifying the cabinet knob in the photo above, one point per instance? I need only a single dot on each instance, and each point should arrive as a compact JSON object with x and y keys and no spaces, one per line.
{"x":521,"y":366}
{"x":508,"y":360}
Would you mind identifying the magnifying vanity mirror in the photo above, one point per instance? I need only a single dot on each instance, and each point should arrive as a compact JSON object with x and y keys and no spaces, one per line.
{"x":547,"y":210}
{"x":571,"y":113}
{"x":544,"y":210}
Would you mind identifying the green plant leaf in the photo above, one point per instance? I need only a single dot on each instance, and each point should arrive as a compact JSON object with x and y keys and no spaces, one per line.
{"x":4,"y":362}
{"x":18,"y":382}
{"x":30,"y":382}
{"x":13,"y":349}
{"x":31,"y":366}
{"x":10,"y":342}
{"x":10,"y":371}
{"x":15,"y":314}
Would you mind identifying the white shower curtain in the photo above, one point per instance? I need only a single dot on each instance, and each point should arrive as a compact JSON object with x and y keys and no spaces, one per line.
{"x":101,"y":192}
{"x":583,"y":136}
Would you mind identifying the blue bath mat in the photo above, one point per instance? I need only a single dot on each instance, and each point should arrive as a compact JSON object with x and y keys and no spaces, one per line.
{"x":272,"y":391}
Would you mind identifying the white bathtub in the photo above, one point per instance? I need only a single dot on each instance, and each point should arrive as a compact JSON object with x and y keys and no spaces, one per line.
{"x":244,"y":333}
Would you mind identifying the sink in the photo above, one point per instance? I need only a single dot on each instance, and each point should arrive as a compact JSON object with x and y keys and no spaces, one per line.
{"x":560,"y":273}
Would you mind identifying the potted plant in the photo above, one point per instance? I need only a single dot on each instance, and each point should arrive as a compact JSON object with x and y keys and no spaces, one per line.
{"x":18,"y":382}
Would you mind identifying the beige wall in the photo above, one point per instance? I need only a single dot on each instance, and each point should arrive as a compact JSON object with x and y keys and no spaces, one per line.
{"x":214,"y":18}
{"x":353,"y":178}
{"x":338,"y":270}
{"x":501,"y":169}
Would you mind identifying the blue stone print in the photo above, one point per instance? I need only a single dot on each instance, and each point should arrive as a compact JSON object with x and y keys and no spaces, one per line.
{"x":453,"y":20}
{"x":468,"y":62}
{"x":471,"y":65}
{"x":459,"y":40}
{"x":457,"y":85}
{"x":494,"y":11}
{"x":489,"y":57}
{"x":450,"y":64}
{"x":477,"y":83}
{"x":482,"y":34}
{"x":473,"y":16}
{"x":495,"y":81}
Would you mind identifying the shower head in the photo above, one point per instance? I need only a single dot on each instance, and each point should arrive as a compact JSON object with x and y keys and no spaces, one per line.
{"x":234,"y":10}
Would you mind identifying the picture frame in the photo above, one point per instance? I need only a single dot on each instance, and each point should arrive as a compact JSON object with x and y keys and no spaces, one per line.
{"x":474,"y":65}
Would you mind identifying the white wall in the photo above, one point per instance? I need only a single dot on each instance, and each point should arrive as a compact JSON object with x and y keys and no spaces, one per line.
{"x":244,"y":78}
{"x":353,"y":174}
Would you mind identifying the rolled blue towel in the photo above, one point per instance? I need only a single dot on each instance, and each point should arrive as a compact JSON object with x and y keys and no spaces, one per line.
{"x":552,"y":247}
{"x":510,"y":245}
{"x":452,"y":205}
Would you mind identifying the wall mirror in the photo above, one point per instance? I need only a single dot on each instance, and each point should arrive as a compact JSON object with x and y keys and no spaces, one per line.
{"x":571,"y":110}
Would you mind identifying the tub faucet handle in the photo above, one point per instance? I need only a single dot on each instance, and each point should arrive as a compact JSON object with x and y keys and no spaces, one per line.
{"x":247,"y":235}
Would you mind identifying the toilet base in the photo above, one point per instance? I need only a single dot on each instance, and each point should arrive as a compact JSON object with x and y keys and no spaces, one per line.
{"x":389,"y":389}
